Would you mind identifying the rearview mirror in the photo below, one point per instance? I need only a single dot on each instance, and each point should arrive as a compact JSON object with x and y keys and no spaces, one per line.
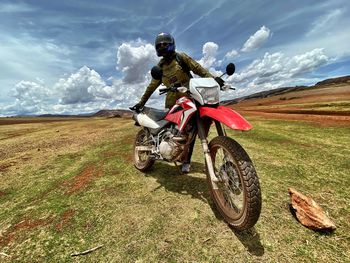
{"x":157,"y":72}
{"x":230,"y":69}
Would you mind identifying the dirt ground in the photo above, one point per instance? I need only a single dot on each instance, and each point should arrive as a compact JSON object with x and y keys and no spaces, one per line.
{"x":302,"y":105}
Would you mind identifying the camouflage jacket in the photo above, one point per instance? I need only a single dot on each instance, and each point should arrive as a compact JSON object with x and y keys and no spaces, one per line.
{"x":174,"y":74}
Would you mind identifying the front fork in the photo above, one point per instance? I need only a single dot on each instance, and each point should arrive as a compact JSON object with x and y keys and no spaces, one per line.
{"x":202,"y":134}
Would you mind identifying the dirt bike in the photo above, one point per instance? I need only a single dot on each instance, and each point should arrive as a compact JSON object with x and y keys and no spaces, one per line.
{"x":167,"y":135}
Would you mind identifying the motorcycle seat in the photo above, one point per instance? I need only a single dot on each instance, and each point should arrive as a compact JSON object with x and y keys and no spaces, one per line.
{"x":155,"y":114}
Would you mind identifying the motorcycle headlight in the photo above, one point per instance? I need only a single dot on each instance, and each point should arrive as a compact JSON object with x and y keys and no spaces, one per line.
{"x":210,"y":95}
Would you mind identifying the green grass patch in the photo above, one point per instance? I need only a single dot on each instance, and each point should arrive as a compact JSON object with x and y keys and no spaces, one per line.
{"x":92,"y":195}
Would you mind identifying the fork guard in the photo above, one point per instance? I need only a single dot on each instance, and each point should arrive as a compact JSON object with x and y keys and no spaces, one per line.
{"x":227,"y":116}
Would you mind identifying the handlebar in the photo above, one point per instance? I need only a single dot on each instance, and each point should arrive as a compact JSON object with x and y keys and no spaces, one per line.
{"x":221,"y":82}
{"x":165,"y":90}
{"x":137,"y":110}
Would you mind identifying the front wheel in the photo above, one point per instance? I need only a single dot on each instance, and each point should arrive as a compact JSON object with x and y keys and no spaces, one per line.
{"x":143,"y":160}
{"x":237,"y":195}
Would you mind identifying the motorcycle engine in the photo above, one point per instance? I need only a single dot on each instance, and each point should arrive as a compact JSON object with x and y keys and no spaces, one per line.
{"x":171,"y":146}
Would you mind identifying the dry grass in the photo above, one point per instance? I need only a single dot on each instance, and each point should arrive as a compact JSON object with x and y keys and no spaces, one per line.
{"x":70,"y":186}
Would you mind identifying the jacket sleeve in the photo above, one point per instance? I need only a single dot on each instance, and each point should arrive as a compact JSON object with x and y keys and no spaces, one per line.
{"x":149,"y":90}
{"x":195,"y":67}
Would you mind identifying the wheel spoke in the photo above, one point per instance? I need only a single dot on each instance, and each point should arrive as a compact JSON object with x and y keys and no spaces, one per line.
{"x":142,"y":158}
{"x":230,"y":186}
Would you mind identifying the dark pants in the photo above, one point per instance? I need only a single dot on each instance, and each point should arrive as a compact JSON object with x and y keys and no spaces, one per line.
{"x":187,"y":159}
{"x":207,"y":124}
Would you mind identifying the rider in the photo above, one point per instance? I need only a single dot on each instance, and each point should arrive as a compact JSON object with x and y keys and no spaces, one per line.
{"x":176,"y":71}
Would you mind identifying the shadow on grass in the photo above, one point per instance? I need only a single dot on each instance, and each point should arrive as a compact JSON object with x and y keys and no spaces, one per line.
{"x":251,"y":240}
{"x":170,"y":178}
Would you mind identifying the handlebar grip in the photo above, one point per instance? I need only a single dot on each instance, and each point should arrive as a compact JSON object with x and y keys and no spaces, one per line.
{"x":163,"y":90}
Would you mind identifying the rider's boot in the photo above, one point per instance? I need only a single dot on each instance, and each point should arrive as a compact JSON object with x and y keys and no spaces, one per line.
{"x":185,"y":168}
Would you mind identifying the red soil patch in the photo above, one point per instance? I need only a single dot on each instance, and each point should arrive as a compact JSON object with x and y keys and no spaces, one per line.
{"x":292,"y":111}
{"x":25,"y":225}
{"x":65,"y":218}
{"x":2,"y":193}
{"x":323,"y":120}
{"x":5,"y":166}
{"x":12,"y":233}
{"x":321,"y":94}
{"x":82,"y":180}
{"x":88,"y":226}
{"x":308,"y":112}
{"x":110,"y":155}
{"x":10,"y":121}
{"x":127,"y":157}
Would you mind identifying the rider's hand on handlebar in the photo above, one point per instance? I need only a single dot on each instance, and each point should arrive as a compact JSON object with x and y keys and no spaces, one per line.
{"x":227,"y":87}
{"x":220,"y":81}
{"x":137,"y":107}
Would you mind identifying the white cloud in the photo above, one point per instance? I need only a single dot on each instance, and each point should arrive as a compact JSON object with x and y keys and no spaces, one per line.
{"x":306,"y":62}
{"x":218,"y":4}
{"x":209,"y":55}
{"x":231,"y":54}
{"x":15,"y":8}
{"x":128,"y":94}
{"x":277,"y":70}
{"x":31,"y":92}
{"x":256,"y":40}
{"x":326,"y":23}
{"x":82,"y":87}
{"x":31,"y":98}
{"x":85,"y":90}
{"x":134,"y":59}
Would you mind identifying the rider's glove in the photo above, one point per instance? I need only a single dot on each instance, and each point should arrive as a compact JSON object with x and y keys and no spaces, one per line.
{"x":220,"y":81}
{"x":137,"y":107}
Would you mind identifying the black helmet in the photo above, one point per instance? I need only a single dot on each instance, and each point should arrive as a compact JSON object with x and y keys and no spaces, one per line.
{"x":165,"y":44}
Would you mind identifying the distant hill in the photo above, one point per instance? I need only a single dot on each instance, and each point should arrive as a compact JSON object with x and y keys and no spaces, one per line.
{"x":265,"y":94}
{"x":101,"y":113}
{"x":112,"y":113}
{"x":279,"y":91}
{"x":339,"y":80}
{"x":59,"y":116}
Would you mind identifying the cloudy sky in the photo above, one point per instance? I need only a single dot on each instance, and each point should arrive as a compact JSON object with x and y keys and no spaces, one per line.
{"x":82,"y":56}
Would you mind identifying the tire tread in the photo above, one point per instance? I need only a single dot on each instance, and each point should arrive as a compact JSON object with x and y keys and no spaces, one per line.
{"x":250,"y":181}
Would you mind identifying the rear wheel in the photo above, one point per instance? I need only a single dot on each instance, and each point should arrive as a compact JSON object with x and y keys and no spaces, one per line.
{"x":143,"y":159}
{"x":238,"y":197}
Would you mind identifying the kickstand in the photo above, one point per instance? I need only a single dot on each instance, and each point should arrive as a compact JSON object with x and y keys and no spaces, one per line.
{"x":178,"y":168}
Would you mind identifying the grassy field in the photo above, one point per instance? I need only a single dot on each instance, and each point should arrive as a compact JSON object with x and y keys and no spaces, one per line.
{"x":70,"y":186}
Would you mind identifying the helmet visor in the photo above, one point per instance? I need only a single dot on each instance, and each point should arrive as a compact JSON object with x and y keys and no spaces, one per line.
{"x":162,"y":45}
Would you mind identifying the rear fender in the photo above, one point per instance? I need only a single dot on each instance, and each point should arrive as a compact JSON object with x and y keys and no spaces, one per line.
{"x":229,"y":117}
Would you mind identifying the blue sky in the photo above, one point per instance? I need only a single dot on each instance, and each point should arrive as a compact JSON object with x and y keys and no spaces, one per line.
{"x":82,"y":56}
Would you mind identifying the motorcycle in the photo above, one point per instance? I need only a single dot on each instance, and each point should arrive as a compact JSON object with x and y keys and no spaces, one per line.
{"x":167,"y":135}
